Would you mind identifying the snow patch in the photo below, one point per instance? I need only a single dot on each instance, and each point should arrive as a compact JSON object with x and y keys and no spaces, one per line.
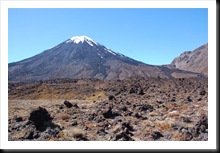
{"x":113,"y":52}
{"x":68,"y":41}
{"x":110,"y":51}
{"x":78,"y":39}
{"x":90,"y":43}
{"x":100,"y":55}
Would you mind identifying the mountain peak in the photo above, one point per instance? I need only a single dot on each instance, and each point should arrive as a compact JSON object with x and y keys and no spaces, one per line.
{"x":78,"y":39}
{"x":82,"y":57}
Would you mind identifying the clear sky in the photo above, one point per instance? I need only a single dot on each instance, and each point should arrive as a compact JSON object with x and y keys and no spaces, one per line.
{"x":151,"y":35}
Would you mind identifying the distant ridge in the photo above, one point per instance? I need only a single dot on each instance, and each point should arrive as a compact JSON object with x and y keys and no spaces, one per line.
{"x":194,"y":61}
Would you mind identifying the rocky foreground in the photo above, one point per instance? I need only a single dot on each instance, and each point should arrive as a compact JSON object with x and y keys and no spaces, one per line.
{"x":134,"y":109}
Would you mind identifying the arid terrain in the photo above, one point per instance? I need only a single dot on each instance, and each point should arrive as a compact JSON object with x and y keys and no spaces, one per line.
{"x":82,"y":90}
{"x":134,"y":109}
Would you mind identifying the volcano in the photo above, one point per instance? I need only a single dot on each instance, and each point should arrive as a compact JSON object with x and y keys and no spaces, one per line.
{"x":82,"y":57}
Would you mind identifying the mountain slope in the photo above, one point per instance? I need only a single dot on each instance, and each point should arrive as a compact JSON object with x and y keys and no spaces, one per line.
{"x":194,"y":61}
{"x":78,"y":57}
{"x":81,"y":57}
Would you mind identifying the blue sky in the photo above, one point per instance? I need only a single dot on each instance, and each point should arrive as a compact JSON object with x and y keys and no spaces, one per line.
{"x":151,"y":35}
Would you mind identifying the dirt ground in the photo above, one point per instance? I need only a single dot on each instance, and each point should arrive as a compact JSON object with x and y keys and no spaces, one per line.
{"x":134,"y":109}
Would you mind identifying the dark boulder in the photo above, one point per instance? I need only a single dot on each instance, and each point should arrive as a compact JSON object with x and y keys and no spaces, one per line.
{"x":17,"y":118}
{"x":111,"y":97}
{"x":137,"y":115}
{"x":189,"y":99}
{"x":122,"y":136}
{"x":186,"y":120}
{"x":16,"y":127}
{"x":39,"y":117}
{"x":124,"y":108}
{"x":156,"y":135}
{"x":92,"y":117}
{"x":203,"y":121}
{"x":101,"y":131}
{"x":203,"y":92}
{"x":74,"y":123}
{"x":61,"y":106}
{"x":68,"y":104}
{"x":145,"y":107}
{"x":29,"y":135}
{"x":75,"y":105}
{"x":201,"y":126}
{"x":187,"y":136}
{"x":127,"y":125}
{"x":159,"y":102}
{"x":173,"y":99}
{"x":136,"y":89}
{"x":109,"y":113}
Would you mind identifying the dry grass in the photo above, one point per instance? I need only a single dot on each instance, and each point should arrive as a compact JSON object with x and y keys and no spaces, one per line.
{"x":181,"y":75}
{"x":173,"y":114}
{"x":95,"y":96}
{"x":166,"y":118}
{"x":152,"y":114}
{"x":148,"y":123}
{"x":73,"y":133}
{"x":116,"y":128}
{"x":177,"y":136}
{"x":164,"y":126}
{"x":63,"y":116}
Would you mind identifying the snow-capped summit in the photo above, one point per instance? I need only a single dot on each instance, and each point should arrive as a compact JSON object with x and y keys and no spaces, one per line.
{"x":91,"y":42}
{"x":78,"y":39}
{"x":81,"y":57}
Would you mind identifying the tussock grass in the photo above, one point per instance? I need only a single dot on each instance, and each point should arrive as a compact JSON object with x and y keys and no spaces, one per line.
{"x":63,"y":116}
{"x":97,"y":95}
{"x":71,"y":133}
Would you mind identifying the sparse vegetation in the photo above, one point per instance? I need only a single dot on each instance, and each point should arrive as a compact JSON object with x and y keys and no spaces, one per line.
{"x":111,"y":110}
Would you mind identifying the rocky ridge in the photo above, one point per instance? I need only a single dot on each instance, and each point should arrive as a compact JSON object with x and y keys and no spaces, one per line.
{"x":194,"y":61}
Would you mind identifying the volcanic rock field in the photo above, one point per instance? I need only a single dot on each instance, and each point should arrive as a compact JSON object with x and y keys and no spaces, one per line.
{"x":133,"y":109}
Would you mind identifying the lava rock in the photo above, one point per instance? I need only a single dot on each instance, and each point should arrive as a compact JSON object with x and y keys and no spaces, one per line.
{"x":137,"y":115}
{"x":159,"y":102}
{"x":61,"y":106}
{"x":203,"y":92}
{"x":111,"y":97}
{"x":29,"y":135}
{"x":189,"y":99}
{"x":156,"y":135}
{"x":17,"y":118}
{"x":127,"y":125}
{"x":16,"y":127}
{"x":39,"y":117}
{"x":75,"y":106}
{"x":123,"y":137}
{"x":124,"y":108}
{"x":187,"y":136}
{"x":74,"y":123}
{"x":186,"y":120}
{"x":68,"y":104}
{"x":109,"y":113}
{"x":145,"y":107}
{"x":173,"y":99}
{"x":203,"y":128}
{"x":136,"y":89}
